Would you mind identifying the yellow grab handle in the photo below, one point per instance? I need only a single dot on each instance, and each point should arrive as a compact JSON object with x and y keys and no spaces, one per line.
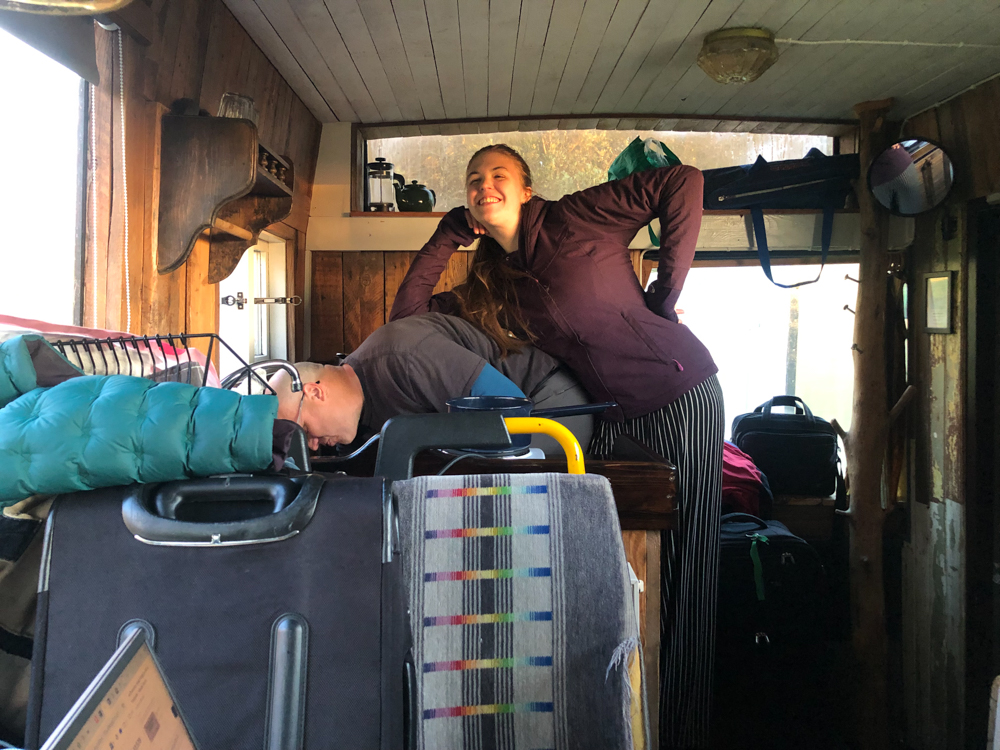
{"x":565,"y":438}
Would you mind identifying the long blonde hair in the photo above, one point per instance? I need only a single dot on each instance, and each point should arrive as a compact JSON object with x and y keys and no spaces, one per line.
{"x":488,"y":297}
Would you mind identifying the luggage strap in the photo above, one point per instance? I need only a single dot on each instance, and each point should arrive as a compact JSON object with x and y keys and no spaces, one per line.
{"x":758,"y":569}
{"x":760,"y":239}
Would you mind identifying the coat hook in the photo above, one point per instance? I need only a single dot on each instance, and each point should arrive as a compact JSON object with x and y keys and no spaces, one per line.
{"x":857,"y":348}
{"x":848,"y":308}
{"x":848,"y":277}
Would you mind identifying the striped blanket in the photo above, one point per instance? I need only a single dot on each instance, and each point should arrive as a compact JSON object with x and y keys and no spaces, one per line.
{"x":521,"y":611}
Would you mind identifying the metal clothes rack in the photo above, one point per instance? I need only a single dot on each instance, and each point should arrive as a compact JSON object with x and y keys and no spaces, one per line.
{"x":172,"y":352}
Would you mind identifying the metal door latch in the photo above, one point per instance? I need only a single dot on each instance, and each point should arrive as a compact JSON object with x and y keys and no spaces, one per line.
{"x":296,"y":300}
{"x":239,"y":300}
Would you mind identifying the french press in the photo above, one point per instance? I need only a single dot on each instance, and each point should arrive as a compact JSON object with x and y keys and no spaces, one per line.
{"x":381,"y":190}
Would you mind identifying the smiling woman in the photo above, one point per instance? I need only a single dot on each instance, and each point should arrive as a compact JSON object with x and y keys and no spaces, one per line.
{"x":40,"y":196}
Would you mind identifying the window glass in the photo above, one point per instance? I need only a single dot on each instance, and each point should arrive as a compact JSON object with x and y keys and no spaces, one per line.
{"x":769,"y":341}
{"x":564,"y":161}
{"x":40,"y":190}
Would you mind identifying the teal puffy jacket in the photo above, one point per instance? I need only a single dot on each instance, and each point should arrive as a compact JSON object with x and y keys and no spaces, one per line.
{"x":61,"y":431}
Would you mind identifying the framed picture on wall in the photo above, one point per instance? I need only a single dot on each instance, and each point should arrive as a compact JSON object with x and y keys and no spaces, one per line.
{"x":937,"y":296}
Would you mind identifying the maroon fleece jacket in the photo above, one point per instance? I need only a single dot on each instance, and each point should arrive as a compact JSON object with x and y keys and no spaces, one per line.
{"x":582,"y":299}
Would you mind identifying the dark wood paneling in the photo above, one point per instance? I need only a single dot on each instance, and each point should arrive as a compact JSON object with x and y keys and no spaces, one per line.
{"x":396,"y":266}
{"x":327,"y":306}
{"x":192,"y":49}
{"x":455,"y":273}
{"x":364,"y":296}
{"x":969,"y":130}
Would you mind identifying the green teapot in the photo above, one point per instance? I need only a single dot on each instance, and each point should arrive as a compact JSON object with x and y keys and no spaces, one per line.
{"x":413,"y":197}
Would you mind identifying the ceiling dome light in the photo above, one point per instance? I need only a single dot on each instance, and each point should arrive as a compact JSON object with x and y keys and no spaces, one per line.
{"x":737,"y":55}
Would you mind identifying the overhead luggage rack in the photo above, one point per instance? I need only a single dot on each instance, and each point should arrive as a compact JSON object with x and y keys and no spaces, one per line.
{"x":173,"y":357}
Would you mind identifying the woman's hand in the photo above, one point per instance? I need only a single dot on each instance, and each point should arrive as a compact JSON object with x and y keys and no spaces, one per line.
{"x":474,"y":225}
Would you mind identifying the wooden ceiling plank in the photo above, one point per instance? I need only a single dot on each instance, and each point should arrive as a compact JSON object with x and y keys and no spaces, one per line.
{"x":767,"y":15}
{"x":503,"y":28}
{"x":873,"y":72}
{"x":409,"y":131}
{"x":387,"y":43}
{"x":646,"y":124}
{"x":604,"y":29}
{"x":532,"y":28}
{"x":274,"y":48}
{"x":411,"y":20}
{"x":446,"y":41}
{"x":568,"y":124}
{"x":487,"y":127}
{"x":565,"y":19}
{"x":587,"y":123}
{"x":310,"y":21}
{"x":817,"y":20}
{"x":608,"y":123}
{"x":529,"y":126}
{"x":947,"y":86}
{"x":357,"y":39}
{"x":853,"y":65}
{"x":652,"y":28}
{"x":430,"y":130}
{"x":594,"y":22}
{"x":726,"y":126}
{"x":665,"y":125}
{"x":665,"y":49}
{"x":925,"y":85}
{"x":507,"y":126}
{"x":657,"y":98}
{"x":894,"y":71}
{"x":474,"y":24}
{"x":628,"y":124}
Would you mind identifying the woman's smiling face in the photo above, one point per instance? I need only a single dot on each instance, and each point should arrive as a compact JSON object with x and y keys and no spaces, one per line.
{"x":495,"y":189}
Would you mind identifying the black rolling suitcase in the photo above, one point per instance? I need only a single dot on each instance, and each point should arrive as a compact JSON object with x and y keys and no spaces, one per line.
{"x":273,"y":604}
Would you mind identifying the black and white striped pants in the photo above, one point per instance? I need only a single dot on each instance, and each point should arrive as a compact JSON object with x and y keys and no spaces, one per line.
{"x":689,"y":433}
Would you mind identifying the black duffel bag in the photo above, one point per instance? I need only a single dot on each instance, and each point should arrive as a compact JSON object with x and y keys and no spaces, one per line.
{"x":771,"y":586}
{"x":797,"y":452}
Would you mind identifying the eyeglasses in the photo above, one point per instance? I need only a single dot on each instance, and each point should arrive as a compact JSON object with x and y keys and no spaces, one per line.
{"x":302,"y":400}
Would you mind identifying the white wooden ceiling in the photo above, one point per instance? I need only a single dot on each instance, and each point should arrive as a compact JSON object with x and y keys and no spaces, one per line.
{"x":600,"y":61}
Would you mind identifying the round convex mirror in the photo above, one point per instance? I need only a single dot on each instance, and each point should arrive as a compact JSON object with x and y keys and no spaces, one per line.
{"x":911,"y":177}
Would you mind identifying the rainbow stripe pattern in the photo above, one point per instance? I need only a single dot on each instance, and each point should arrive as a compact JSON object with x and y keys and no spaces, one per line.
{"x":485,"y":575}
{"x":531,"y":489}
{"x":488,"y":619}
{"x":485,"y":531}
{"x":459,"y":666}
{"x":492,"y":708}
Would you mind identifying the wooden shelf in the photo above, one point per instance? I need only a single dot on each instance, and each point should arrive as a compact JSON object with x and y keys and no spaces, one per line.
{"x":214,"y":177}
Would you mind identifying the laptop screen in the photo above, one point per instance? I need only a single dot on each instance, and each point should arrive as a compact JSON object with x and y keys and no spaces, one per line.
{"x":128,"y":706}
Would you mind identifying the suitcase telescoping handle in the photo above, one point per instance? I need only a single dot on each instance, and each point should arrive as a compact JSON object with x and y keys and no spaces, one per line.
{"x":151,"y":512}
{"x":405,"y":436}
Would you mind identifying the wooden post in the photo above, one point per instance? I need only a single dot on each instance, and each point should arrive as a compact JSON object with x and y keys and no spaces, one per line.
{"x":865,"y":446}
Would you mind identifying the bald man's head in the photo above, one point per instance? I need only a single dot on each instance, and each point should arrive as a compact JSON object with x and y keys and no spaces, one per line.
{"x":329,"y":406}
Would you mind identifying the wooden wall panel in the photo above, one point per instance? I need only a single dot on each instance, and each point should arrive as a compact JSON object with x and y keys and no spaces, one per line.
{"x":327,"y":306}
{"x":192,"y":49}
{"x":364,"y":296}
{"x":396,"y":266}
{"x":969,"y":130}
{"x":363,"y":286}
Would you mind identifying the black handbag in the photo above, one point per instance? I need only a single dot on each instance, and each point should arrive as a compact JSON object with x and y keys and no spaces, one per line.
{"x":797,"y":452}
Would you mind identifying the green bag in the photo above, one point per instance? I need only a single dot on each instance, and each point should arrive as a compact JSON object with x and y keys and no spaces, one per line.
{"x":639,"y":156}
